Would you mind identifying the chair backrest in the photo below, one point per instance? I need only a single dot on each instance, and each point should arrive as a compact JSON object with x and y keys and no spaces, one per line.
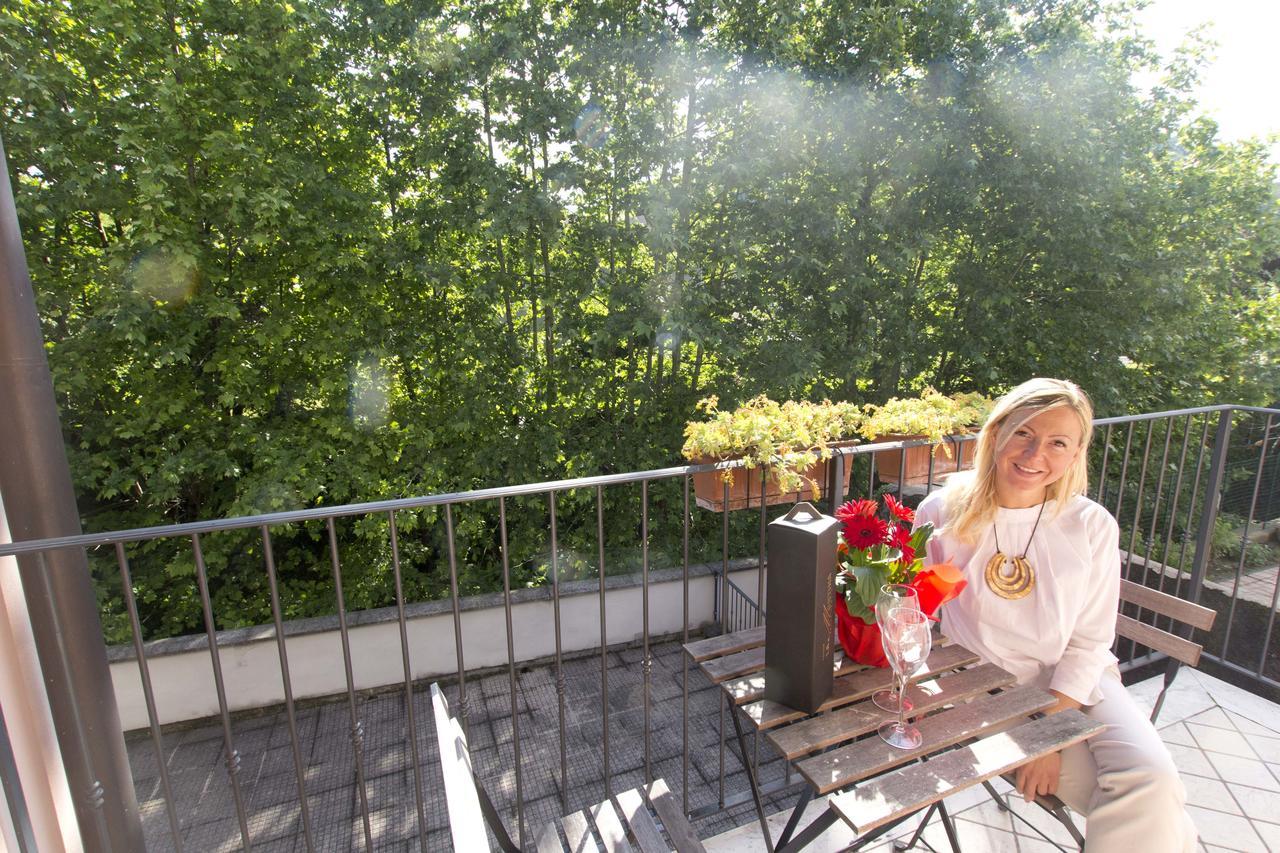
{"x":648,"y":819}
{"x":1162,"y":604}
{"x":466,"y":820}
{"x":470,"y":808}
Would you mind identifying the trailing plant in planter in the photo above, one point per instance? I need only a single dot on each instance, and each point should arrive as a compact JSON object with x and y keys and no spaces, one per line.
{"x":785,"y":439}
{"x":932,"y":415}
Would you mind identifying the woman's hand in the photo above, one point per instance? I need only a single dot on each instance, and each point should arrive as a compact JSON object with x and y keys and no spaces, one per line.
{"x":1039,"y":777}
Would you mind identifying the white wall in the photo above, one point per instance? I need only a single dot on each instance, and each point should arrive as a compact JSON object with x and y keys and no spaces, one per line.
{"x":184,"y":686}
{"x":30,"y":723}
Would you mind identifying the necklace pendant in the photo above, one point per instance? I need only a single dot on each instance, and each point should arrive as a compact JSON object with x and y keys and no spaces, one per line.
{"x":1013,"y":585}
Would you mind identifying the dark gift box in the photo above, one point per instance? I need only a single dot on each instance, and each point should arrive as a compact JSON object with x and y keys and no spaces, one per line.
{"x":799,"y":632}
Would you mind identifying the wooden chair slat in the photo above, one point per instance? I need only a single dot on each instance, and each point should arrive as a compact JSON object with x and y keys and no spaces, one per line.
{"x":839,"y":767}
{"x":577,"y":829}
{"x":646,"y":833}
{"x":851,"y":687}
{"x":1165,"y":604}
{"x":549,"y":839}
{"x":746,"y":689}
{"x":1162,"y":641}
{"x":846,"y":723}
{"x":719,"y":646}
{"x":466,"y":821}
{"x":909,"y":788}
{"x":610,"y":828}
{"x":672,"y":816}
{"x":734,"y":664}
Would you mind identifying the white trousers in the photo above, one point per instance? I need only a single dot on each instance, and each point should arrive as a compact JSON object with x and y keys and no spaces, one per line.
{"x":1124,"y":782}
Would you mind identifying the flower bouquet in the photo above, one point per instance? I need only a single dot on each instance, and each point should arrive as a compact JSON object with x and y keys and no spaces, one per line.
{"x":873,"y":551}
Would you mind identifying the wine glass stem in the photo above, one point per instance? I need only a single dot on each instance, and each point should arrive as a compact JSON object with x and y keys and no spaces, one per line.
{"x":902,"y":699}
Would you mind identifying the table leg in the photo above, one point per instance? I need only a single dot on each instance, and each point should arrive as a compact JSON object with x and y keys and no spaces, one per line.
{"x":796,"y":813}
{"x":820,"y":825}
{"x":949,"y":827}
{"x":751,"y":777}
{"x":915,"y":837}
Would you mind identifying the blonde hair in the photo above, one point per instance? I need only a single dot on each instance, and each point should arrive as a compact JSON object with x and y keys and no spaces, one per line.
{"x":971,"y":498}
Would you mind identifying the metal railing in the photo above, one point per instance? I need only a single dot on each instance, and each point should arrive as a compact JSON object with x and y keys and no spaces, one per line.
{"x":1162,"y":475}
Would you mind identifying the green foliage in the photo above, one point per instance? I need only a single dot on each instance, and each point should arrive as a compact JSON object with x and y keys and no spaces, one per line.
{"x":787,"y":437}
{"x":302,"y":254}
{"x":932,"y":415}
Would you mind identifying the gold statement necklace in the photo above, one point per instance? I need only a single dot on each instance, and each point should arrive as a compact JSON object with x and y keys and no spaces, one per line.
{"x":1018,"y":582}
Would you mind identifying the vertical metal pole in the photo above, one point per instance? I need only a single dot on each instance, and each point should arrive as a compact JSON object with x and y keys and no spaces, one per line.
{"x":604,"y":643}
{"x":40,"y":502}
{"x":684,"y":639}
{"x":1191,"y":506}
{"x":1209,"y":505}
{"x":231,"y":755}
{"x":647,"y":663}
{"x":286,"y":681}
{"x":513,"y":689}
{"x":408,"y":684}
{"x":761,"y":561}
{"x":149,"y":696}
{"x":722,"y":612}
{"x":357,"y":724}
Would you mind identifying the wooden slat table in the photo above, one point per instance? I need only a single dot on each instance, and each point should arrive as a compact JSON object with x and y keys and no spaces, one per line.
{"x":975,"y":721}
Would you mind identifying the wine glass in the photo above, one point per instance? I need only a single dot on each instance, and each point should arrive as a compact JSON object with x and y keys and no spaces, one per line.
{"x":893,"y":595}
{"x":907,"y":639}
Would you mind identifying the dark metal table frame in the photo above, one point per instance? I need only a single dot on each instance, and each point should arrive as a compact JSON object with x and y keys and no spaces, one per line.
{"x":735,"y":663}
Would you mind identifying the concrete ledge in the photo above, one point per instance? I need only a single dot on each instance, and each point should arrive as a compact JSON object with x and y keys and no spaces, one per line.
{"x":181,"y":668}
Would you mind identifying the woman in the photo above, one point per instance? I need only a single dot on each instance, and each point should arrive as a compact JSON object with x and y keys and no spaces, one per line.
{"x":1043,"y":570}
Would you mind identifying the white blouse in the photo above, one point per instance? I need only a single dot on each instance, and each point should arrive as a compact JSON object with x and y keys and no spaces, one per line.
{"x":1059,"y":636}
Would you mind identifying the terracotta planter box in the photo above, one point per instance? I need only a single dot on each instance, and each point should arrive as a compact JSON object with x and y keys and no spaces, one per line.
{"x":889,"y":462}
{"x":744,"y":491}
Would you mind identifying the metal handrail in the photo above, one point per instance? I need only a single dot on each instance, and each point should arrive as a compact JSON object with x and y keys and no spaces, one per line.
{"x":545,"y":487}
{"x":1156,"y":487}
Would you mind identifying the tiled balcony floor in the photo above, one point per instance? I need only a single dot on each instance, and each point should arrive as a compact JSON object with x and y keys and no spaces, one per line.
{"x":1226,"y":742}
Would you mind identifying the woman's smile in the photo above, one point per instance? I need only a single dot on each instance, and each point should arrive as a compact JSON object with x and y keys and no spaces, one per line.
{"x":1036,"y":456}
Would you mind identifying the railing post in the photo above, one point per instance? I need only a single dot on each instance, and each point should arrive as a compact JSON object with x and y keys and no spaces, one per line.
{"x":1209,"y":506}
{"x":40,"y":502}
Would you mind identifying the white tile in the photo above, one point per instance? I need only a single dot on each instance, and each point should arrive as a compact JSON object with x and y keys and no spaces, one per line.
{"x":1247,"y":726}
{"x":1190,"y":759}
{"x":1177,"y":733}
{"x":987,"y":814}
{"x":1211,"y":794}
{"x":1235,"y":699}
{"x":1186,"y":698}
{"x":1036,"y":844}
{"x":1257,"y":803}
{"x":1214,"y":716}
{"x":972,"y":836}
{"x":1224,"y":830}
{"x":1270,"y":834}
{"x":1243,"y":771}
{"x":969,"y":798}
{"x":1046,"y":823}
{"x":1267,"y":748}
{"x":1213,"y":739}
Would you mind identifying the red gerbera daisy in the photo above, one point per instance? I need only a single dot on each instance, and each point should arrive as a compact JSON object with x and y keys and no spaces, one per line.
{"x":900,"y":511}
{"x":856,"y":509}
{"x":863,"y":531}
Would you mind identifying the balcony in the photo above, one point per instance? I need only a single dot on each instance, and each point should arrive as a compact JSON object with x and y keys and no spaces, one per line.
{"x":318,"y":734}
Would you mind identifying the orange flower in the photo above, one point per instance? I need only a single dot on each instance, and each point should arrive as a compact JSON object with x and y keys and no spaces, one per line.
{"x":938,"y":584}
